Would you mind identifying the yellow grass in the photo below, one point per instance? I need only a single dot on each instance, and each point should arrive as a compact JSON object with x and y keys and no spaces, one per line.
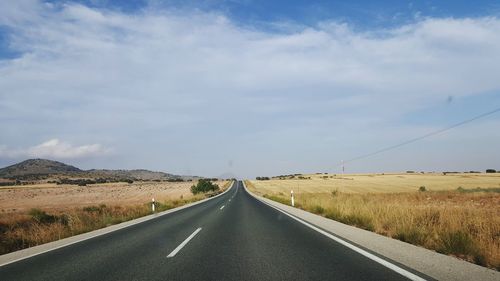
{"x":57,"y":197}
{"x":464,"y":223}
{"x":380,"y":183}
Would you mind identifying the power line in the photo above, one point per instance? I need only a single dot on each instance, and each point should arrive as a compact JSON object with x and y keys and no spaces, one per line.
{"x":422,"y":137}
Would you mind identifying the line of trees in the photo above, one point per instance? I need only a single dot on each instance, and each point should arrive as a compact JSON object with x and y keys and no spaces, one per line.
{"x":84,"y":182}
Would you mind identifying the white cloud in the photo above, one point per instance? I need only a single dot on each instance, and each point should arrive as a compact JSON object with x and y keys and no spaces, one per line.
{"x":150,"y":83}
{"x":55,"y":149}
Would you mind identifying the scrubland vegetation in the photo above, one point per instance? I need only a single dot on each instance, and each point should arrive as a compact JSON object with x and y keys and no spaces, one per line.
{"x":463,"y":222}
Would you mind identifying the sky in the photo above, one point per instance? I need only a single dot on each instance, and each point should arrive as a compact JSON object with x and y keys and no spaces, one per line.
{"x":250,"y":88}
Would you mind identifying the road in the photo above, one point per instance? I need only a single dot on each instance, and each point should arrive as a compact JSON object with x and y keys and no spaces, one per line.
{"x":232,"y":237}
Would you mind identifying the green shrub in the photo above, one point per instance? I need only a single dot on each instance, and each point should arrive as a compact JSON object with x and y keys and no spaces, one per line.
{"x":412,"y":235}
{"x":334,"y":214}
{"x":41,"y":216}
{"x":358,"y":220}
{"x":318,"y":209}
{"x":98,"y":209}
{"x":457,"y":243}
{"x":422,"y":189}
{"x":204,"y":185}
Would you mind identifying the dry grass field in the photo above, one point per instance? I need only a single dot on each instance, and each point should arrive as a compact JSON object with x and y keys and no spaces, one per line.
{"x":380,"y":183}
{"x":35,"y":214}
{"x":60,"y":197}
{"x":463,"y":222}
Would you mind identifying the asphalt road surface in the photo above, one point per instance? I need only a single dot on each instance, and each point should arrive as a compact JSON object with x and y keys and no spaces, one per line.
{"x":232,"y":237}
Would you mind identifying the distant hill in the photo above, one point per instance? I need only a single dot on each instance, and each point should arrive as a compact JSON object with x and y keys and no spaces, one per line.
{"x":33,"y":169}
{"x":134,"y":174}
{"x":37,"y":167}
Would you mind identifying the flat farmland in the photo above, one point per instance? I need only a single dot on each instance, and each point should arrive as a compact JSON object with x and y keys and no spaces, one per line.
{"x":52,"y":197}
{"x":379,"y":183}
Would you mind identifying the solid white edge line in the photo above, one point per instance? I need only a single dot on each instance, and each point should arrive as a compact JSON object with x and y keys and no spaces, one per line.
{"x":371,"y":256}
{"x":103,"y":232}
{"x":222,"y":207}
{"x":176,"y":250}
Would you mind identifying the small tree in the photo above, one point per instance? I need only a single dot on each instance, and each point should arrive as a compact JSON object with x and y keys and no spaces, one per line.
{"x":491,"y":171}
{"x":204,"y":185}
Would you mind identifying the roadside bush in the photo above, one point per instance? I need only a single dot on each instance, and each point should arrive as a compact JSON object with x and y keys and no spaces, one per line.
{"x":458,"y":243}
{"x":318,"y":209}
{"x":359,"y":220}
{"x":334,"y":214}
{"x":413,"y":235}
{"x":491,"y":171}
{"x":422,"y":189}
{"x":204,"y":185}
{"x":41,"y":216}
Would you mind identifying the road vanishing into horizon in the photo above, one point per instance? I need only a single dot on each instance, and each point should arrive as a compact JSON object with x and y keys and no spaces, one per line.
{"x":231,"y":237}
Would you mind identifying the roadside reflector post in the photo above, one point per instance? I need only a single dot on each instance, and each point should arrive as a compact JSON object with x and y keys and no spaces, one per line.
{"x":153,"y":205}
{"x":293,"y":202}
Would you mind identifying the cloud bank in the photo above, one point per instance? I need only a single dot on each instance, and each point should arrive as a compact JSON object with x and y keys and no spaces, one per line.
{"x":176,"y":90}
{"x":54,"y":149}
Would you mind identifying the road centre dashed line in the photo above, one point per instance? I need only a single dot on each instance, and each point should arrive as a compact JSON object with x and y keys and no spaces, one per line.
{"x":176,"y":250}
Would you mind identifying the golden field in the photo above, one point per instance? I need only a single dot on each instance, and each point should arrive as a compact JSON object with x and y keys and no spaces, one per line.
{"x":380,"y":183}
{"x":463,"y":222}
{"x":35,"y":214}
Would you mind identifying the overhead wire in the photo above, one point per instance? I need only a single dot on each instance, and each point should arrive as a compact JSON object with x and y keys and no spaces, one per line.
{"x":433,"y":133}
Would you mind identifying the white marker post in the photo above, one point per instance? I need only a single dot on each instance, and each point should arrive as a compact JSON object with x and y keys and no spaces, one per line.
{"x":293,"y":202}
{"x":153,"y":205}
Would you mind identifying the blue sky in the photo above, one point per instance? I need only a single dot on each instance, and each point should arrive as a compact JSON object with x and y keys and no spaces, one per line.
{"x":363,"y":13}
{"x":261,"y":13}
{"x":250,"y":87}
